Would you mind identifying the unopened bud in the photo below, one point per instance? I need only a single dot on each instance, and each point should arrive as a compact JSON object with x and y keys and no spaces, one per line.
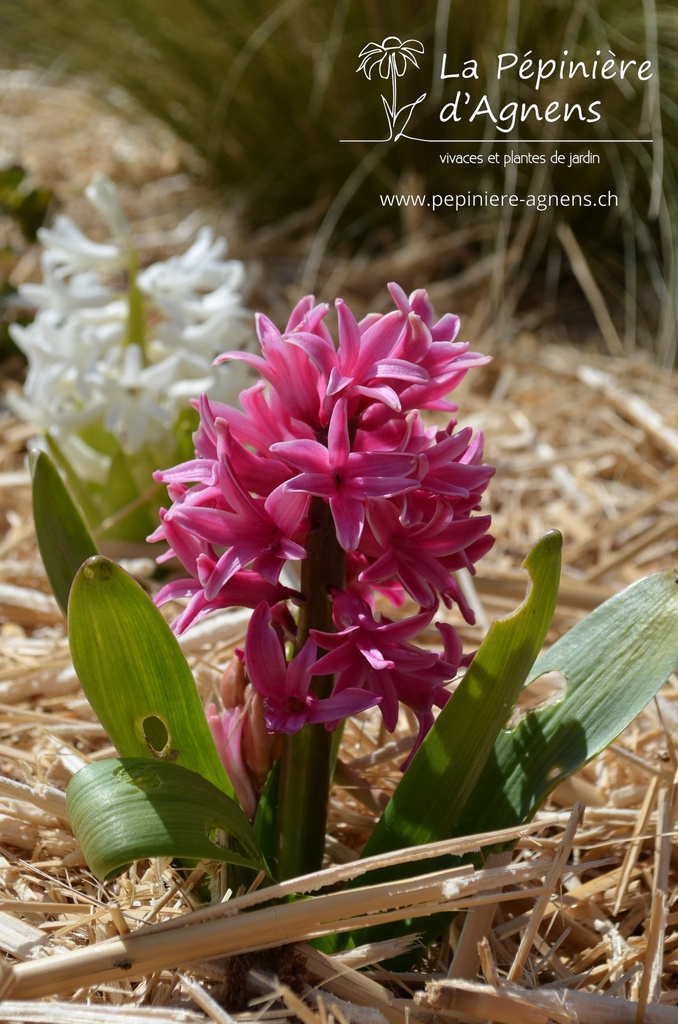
{"x":257,"y":741}
{"x":232,"y":686}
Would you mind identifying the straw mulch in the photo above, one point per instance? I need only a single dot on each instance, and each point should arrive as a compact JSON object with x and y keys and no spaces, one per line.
{"x":577,"y":924}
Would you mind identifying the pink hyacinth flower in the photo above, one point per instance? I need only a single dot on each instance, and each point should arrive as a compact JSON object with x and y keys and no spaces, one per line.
{"x":376,"y":655}
{"x":345,"y":478}
{"x":285,"y":688}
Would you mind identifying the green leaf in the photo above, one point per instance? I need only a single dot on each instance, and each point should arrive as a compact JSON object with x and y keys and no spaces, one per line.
{"x":185,"y":425}
{"x":614,"y":662}
{"x":127,"y":510}
{"x":63,"y":538}
{"x":127,"y":809}
{"x":430,"y":799}
{"x":77,"y":487}
{"x":134,"y":673}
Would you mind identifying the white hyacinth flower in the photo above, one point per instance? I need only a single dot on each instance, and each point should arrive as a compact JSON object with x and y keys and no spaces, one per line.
{"x":78,"y":252}
{"x":103,"y":195}
{"x":64,"y":291}
{"x":199,"y":295}
{"x":115,"y":354}
{"x":134,"y":406}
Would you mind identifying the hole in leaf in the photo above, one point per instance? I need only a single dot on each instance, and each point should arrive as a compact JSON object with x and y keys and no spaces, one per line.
{"x":554,"y":773}
{"x":156,"y":734}
{"x":217,"y":836}
{"x":97,"y":568}
{"x":143,"y":778}
{"x":544,"y":691}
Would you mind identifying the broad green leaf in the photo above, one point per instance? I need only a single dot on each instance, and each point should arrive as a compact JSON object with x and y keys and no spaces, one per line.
{"x":430,"y":799}
{"x":129,"y":510}
{"x":614,"y":662}
{"x":76,"y":486}
{"x":63,"y":538}
{"x":134,"y":673}
{"x":185,"y":425}
{"x":127,"y":809}
{"x":97,"y":437}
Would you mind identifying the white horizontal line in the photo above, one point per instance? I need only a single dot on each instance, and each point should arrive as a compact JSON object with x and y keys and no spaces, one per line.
{"x":493,"y":142}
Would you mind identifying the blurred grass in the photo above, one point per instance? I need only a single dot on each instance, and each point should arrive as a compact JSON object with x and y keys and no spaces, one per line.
{"x":264,"y":92}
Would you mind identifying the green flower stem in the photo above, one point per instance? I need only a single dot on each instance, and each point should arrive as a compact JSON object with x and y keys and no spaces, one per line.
{"x":307,"y":756}
{"x":136,"y":327}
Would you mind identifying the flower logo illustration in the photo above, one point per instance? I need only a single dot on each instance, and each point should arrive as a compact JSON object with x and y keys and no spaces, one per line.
{"x":391,"y":58}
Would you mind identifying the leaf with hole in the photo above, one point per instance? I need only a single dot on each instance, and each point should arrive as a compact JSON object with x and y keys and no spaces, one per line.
{"x":127,"y":809}
{"x":614,"y":662}
{"x":134,"y":673}
{"x":429,"y":801}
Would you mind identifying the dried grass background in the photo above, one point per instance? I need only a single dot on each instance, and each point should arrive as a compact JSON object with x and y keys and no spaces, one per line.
{"x":580,"y":923}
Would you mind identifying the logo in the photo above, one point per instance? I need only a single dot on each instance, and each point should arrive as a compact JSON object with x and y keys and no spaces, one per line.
{"x":391,"y":59}
{"x":495,"y":115}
